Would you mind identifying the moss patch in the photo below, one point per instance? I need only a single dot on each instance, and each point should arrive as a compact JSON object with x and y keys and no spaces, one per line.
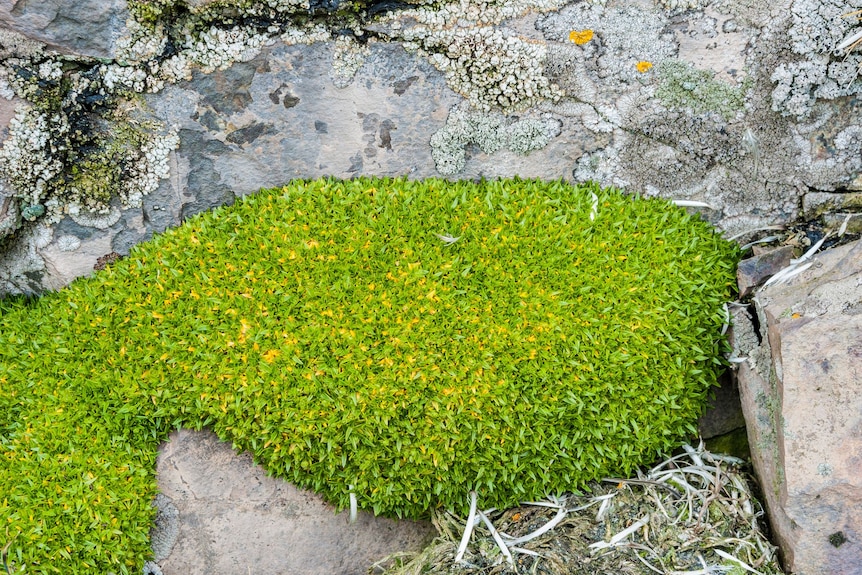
{"x":404,"y":342}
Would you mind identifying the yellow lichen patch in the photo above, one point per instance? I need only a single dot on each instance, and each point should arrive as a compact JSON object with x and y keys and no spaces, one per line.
{"x":580,"y":37}
{"x":643,"y":66}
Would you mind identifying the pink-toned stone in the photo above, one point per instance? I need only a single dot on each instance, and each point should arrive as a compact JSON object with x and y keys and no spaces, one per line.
{"x":754,"y":270}
{"x":801,"y":391}
{"x":232,"y":518}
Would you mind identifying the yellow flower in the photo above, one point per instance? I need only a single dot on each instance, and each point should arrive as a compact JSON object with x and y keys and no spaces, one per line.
{"x":270,"y":355}
{"x":643,"y":66}
{"x":580,"y":37}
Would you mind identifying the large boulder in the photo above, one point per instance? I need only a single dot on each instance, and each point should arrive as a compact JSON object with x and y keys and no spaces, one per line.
{"x":801,"y":390}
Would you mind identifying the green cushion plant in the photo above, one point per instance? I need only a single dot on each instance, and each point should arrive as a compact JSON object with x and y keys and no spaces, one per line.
{"x":404,"y":342}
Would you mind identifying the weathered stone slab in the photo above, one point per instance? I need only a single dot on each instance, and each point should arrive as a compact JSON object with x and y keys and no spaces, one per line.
{"x":753,"y":270}
{"x":230,"y":517}
{"x":818,"y":203}
{"x":801,"y":390}
{"x":80,"y":27}
{"x":693,"y":104}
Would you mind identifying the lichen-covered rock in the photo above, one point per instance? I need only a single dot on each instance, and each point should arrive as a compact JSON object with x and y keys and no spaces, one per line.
{"x":818,"y":203}
{"x":820,"y":67}
{"x":81,"y":27}
{"x":665,"y":98}
{"x":10,"y":215}
{"x":801,"y":387}
{"x":166,"y":527}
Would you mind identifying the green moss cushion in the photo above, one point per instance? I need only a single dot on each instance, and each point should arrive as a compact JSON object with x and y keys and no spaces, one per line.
{"x":406,"y":342}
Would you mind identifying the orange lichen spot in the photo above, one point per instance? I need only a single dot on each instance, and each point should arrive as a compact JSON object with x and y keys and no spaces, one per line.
{"x":580,"y":37}
{"x":643,"y":66}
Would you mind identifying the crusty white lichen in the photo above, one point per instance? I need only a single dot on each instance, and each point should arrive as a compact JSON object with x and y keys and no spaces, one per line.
{"x":149,"y":167}
{"x":490,"y":65}
{"x":622,"y":38}
{"x":165,"y":530}
{"x":348,"y":56}
{"x":492,"y":68}
{"x":680,"y":5}
{"x":819,"y":70}
{"x":28,"y":157}
{"x":602,"y":166}
{"x":68,"y":243}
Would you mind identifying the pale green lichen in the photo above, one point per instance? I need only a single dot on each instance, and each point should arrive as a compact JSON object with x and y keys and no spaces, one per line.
{"x":491,"y":132}
{"x":681,"y":85}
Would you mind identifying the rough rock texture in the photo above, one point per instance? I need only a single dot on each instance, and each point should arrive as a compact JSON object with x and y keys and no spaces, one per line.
{"x":81,"y":27}
{"x":670,"y":102}
{"x":801,"y":391}
{"x":751,"y":107}
{"x":228,"y":516}
{"x":752,"y":271}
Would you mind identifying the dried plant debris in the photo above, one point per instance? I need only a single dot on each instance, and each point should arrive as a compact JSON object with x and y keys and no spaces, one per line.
{"x":807,"y":238}
{"x":693,"y":514}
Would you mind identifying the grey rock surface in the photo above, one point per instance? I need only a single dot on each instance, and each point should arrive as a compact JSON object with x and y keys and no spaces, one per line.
{"x":724,"y":411}
{"x":800,"y":388}
{"x":80,"y":27}
{"x":232,"y":519}
{"x":662,"y":102}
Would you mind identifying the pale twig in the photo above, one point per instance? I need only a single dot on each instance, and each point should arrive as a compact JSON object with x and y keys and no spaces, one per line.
{"x":447,"y":239}
{"x":643,"y":482}
{"x":692,"y":204}
{"x":525,"y":551}
{"x":496,"y":535}
{"x":603,"y":508}
{"x":468,"y":530}
{"x":561,"y":514}
{"x":716,"y":457}
{"x":692,"y":452}
{"x":621,"y":535}
{"x":850,"y":41}
{"x":741,"y":563}
{"x":543,"y":504}
{"x":746,"y":232}
{"x":766,"y":240}
{"x":786,"y":274}
{"x":843,"y":229}
{"x":811,"y":251}
{"x":353,"y":506}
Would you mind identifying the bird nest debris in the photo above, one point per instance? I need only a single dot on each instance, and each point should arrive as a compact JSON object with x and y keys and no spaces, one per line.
{"x":692,"y":514}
